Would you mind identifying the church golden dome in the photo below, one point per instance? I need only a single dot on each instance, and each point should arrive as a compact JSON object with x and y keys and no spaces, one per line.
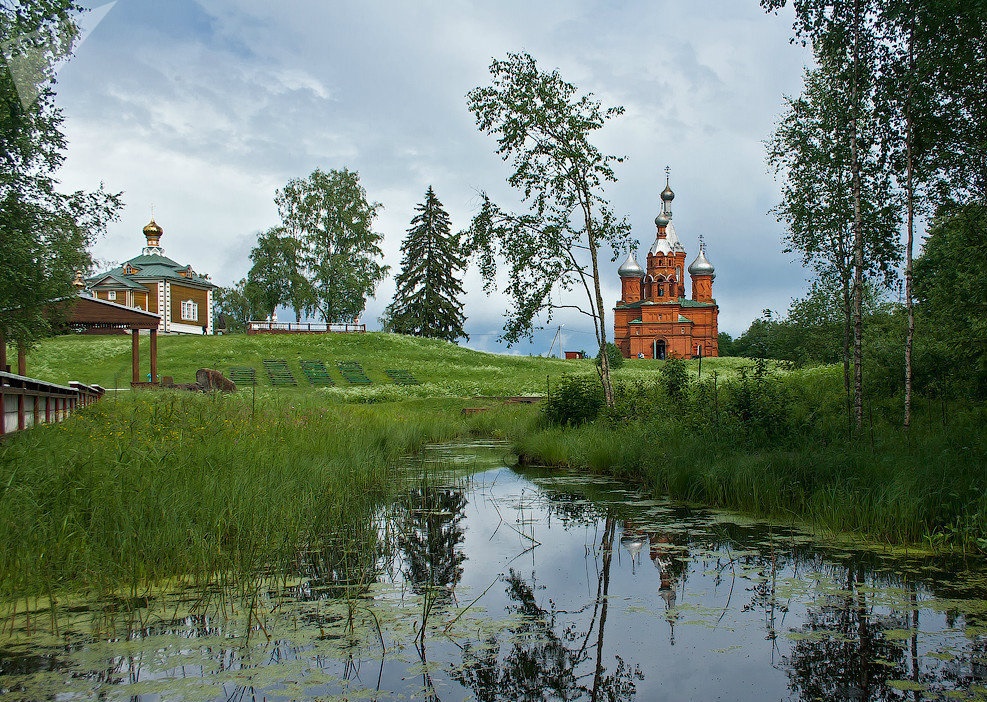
{"x":153,"y":232}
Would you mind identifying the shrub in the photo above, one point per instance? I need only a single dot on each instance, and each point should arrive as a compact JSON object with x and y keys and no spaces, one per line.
{"x":615,"y":358}
{"x":634,"y":401}
{"x":574,"y":400}
{"x":760,"y":403}
{"x":675,"y":379}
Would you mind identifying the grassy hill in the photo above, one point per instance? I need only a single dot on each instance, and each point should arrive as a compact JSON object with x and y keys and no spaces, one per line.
{"x":444,"y":369}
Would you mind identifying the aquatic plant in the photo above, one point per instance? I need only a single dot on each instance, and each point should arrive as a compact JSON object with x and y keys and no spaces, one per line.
{"x":147,"y":488}
{"x":779,"y":445}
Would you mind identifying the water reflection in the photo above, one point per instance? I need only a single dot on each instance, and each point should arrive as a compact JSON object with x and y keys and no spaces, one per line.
{"x":546,"y":586}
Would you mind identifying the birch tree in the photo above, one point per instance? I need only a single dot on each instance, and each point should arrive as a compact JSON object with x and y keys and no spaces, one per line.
{"x":543,"y":128}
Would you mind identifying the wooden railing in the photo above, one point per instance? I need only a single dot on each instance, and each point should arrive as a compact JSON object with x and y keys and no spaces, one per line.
{"x":26,"y":402}
{"x":303,"y":328}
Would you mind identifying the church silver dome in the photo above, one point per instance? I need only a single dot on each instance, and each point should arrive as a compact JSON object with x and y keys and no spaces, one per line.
{"x":702,"y":266}
{"x":630,"y":267}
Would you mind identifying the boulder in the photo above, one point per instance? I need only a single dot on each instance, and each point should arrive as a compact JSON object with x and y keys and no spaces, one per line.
{"x":210,"y":380}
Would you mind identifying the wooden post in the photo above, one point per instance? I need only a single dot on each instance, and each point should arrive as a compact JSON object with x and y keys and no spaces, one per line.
{"x":154,"y":356}
{"x":135,"y":358}
{"x":21,"y":370}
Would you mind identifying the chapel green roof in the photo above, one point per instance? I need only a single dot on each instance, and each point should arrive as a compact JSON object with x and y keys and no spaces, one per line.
{"x":153,"y":267}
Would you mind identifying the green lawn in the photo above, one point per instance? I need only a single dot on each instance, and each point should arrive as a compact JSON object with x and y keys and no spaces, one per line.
{"x":444,"y":369}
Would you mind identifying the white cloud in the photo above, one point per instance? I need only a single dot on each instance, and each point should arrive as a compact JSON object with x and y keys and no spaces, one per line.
{"x":204,"y":109}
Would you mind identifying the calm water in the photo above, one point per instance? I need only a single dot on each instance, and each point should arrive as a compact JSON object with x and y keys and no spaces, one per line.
{"x":500,"y":585}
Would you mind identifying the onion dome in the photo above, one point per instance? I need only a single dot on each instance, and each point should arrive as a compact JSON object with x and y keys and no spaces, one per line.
{"x":152,"y":228}
{"x":661,"y":220}
{"x":630,"y":267}
{"x":633,"y":543}
{"x":153,"y":232}
{"x":702,"y":266}
{"x":667,"y":195}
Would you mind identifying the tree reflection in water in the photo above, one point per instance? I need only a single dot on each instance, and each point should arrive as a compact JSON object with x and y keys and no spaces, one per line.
{"x":842,"y":655}
{"x":428,"y":523}
{"x":840,"y":624}
{"x":540,"y":656}
{"x":853,"y":649}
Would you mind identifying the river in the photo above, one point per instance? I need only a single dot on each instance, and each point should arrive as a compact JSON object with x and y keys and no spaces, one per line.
{"x":490,"y":583}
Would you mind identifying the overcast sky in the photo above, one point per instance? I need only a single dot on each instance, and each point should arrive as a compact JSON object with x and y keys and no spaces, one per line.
{"x":201,"y":109}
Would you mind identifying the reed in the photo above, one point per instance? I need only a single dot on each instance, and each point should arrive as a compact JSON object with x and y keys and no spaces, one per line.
{"x":150,"y":487}
{"x":782,"y":449}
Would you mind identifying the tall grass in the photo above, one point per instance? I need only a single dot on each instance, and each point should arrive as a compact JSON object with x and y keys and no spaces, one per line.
{"x":156,"y":487}
{"x":780,"y":446}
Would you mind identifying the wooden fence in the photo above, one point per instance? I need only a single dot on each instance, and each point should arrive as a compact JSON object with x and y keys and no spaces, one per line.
{"x":303,"y":328}
{"x":28,"y":401}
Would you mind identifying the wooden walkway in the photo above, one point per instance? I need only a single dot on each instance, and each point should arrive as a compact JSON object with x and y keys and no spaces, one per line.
{"x":25,"y":402}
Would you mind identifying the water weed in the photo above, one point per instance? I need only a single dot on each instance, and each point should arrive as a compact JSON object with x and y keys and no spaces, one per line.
{"x":148,"y":487}
{"x":778,"y":444}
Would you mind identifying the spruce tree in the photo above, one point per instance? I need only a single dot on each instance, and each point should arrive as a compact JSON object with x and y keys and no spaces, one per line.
{"x":428,"y":292}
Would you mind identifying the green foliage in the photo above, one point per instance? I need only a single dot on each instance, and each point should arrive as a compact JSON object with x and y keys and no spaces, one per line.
{"x":427,"y":297}
{"x":760,"y":404}
{"x":544,"y":128}
{"x":574,"y":400}
{"x":332,"y":221}
{"x":725,"y":344}
{"x":634,"y":401}
{"x":675,"y":379}
{"x":44,"y":234}
{"x":233,"y":303}
{"x":811,"y":149}
{"x":951,"y":289}
{"x":614,"y":357}
{"x":276,"y":277}
{"x":814,"y":329}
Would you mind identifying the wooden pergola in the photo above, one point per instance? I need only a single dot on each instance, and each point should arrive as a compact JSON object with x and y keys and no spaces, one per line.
{"x":87,"y":314}
{"x":92,"y":315}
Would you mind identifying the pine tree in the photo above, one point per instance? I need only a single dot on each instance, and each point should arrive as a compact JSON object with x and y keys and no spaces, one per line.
{"x":427,"y":297}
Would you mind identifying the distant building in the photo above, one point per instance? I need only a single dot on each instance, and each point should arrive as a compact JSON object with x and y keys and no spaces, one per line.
{"x":154,"y":283}
{"x":654,"y":318}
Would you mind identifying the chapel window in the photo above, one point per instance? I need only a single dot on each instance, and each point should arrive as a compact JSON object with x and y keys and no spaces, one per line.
{"x":190,"y":311}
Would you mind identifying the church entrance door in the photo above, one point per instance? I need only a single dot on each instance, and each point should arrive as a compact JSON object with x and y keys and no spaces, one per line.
{"x":658,"y":348}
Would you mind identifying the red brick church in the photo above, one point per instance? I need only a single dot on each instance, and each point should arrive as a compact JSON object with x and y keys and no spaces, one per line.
{"x":654,"y":318}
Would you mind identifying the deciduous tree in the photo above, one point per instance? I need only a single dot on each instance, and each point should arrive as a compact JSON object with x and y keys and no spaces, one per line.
{"x":44,"y":233}
{"x":844,"y":44}
{"x":428,"y":295}
{"x":543,"y":128}
{"x":811,"y":151}
{"x":934,"y":65}
{"x":330,"y":216}
{"x":275,"y":277}
{"x":234,"y":304}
